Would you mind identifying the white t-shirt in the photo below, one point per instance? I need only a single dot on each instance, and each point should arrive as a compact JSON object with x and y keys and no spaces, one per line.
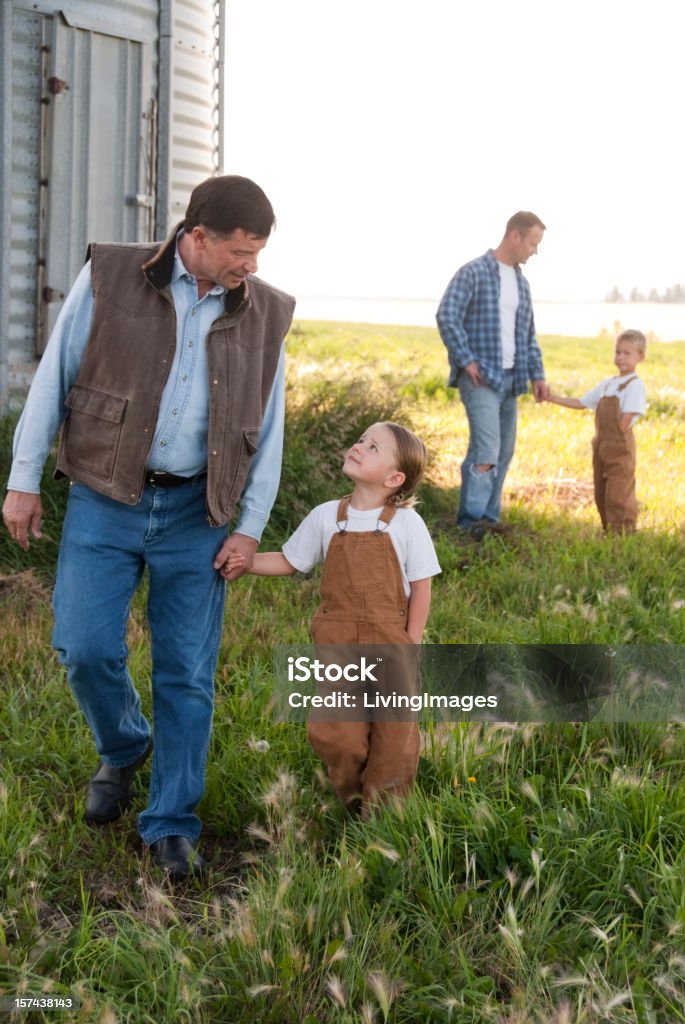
{"x":508,"y":304}
{"x":407,"y":530}
{"x":633,"y":397}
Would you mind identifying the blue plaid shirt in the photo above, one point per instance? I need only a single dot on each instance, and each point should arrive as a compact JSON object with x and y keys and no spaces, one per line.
{"x":469,"y":324}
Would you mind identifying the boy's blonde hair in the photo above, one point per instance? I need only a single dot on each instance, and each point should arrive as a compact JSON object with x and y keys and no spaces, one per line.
{"x":411,"y":460}
{"x":635,"y":338}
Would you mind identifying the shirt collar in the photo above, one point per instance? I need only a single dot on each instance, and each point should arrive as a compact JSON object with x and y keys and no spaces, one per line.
{"x":180,"y":272}
{"x":492,"y":262}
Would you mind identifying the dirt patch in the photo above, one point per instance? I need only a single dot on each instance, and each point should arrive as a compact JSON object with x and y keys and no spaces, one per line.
{"x":26,"y":588}
{"x":566,"y":492}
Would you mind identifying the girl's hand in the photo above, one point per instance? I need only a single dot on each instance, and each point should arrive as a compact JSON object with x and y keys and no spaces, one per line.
{"x":234,"y":562}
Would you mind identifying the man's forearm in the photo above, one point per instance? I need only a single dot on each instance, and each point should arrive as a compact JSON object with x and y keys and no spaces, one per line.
{"x":261,"y":486}
{"x":450,"y":320}
{"x":41,"y":417}
{"x":44,"y":409}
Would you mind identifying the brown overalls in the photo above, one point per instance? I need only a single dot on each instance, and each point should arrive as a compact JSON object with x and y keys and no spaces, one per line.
{"x":363,"y":602}
{"x":613,"y":464}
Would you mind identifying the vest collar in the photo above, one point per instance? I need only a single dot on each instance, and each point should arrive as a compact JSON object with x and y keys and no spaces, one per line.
{"x":159,"y":269}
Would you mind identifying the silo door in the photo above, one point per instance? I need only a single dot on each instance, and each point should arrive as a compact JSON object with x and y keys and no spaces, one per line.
{"x":99,"y":138}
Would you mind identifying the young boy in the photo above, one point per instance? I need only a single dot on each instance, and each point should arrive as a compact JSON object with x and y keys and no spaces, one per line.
{"x":618,"y":403}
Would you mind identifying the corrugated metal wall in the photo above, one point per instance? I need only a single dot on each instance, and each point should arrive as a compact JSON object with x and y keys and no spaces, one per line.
{"x":111,"y":114}
{"x":21,"y":294}
{"x":191,"y":62}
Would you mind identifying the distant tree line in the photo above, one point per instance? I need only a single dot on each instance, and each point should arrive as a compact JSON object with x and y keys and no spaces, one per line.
{"x":676,"y":293}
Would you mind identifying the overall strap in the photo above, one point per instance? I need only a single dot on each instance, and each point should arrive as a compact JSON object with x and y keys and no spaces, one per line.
{"x":387,"y":514}
{"x":625,"y":384}
{"x":341,"y":514}
{"x":385,"y":518}
{"x":341,"y":519}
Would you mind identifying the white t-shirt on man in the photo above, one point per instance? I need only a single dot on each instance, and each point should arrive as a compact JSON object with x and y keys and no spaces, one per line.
{"x":408,"y":532}
{"x":508,"y":304}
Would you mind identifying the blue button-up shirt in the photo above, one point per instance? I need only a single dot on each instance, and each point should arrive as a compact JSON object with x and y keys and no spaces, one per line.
{"x":469,"y":324}
{"x":180,"y":440}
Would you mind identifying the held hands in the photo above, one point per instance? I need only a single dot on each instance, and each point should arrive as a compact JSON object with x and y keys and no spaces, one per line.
{"x":540,"y":387}
{"x":541,"y":390}
{"x":23,"y":513}
{"x":235,"y":556}
{"x":234,"y":563}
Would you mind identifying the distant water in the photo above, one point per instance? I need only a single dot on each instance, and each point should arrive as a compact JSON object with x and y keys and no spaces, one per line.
{"x":664,"y":321}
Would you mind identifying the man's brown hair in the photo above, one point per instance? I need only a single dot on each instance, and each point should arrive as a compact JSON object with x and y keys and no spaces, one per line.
{"x":523,"y":221}
{"x":228,"y":202}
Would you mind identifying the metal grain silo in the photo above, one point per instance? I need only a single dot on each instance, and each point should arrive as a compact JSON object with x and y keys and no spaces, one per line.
{"x":110,"y":113}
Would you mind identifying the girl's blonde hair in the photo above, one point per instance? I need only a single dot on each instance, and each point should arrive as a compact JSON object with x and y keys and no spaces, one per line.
{"x":411,"y":460}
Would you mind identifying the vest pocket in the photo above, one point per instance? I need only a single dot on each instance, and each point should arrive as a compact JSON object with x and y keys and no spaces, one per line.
{"x":92,"y":430}
{"x":248,"y":449}
{"x":251,"y":441}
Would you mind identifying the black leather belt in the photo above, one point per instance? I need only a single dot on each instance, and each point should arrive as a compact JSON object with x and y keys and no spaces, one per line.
{"x":158,"y":478}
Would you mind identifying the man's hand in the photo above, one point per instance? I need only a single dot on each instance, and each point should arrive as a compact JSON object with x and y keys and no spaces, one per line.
{"x":541,"y":390}
{"x":23,"y":512}
{"x":238,"y":544}
{"x":473,"y":371}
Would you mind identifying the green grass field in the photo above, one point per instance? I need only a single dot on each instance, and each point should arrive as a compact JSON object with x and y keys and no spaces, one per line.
{"x":537,"y":872}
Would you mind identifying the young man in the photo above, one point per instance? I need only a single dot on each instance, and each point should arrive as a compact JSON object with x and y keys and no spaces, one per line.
{"x":166,"y":371}
{"x":486,"y":322}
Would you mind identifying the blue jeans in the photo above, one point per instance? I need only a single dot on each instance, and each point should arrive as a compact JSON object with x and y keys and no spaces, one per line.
{"x":105,"y":548}
{"x":491,"y":414}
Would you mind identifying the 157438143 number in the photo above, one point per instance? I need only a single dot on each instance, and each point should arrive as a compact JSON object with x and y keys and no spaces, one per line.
{"x":14,"y":1004}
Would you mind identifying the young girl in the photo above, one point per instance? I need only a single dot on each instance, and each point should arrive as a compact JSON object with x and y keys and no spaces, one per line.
{"x":375,"y":589}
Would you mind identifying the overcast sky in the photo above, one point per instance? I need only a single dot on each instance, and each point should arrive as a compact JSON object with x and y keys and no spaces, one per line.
{"x":394,"y":139}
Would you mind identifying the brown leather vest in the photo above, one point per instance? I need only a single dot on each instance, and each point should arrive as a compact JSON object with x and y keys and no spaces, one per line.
{"x":113,"y":405}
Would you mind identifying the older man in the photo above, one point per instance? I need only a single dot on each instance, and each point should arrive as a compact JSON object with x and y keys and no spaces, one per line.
{"x":166,"y":371}
{"x":485,"y":319}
